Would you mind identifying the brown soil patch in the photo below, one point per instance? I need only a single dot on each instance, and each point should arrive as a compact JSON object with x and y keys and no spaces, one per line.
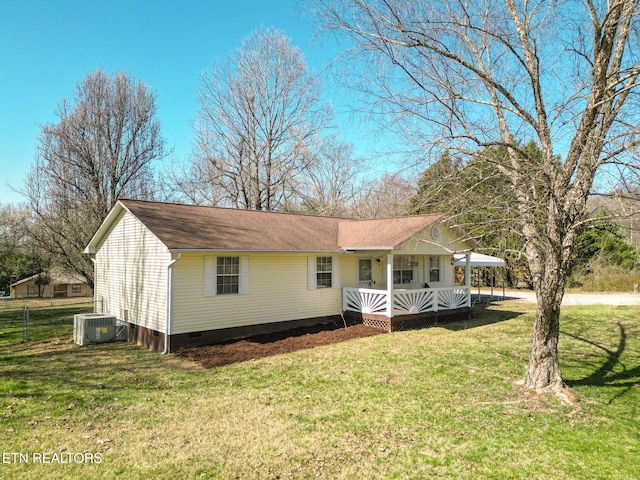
{"x":274,"y":344}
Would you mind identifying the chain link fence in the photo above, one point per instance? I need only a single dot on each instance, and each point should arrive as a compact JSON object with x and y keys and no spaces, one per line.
{"x":39,"y":319}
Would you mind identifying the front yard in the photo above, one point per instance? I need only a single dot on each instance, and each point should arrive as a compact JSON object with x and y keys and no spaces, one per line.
{"x":441,"y":402}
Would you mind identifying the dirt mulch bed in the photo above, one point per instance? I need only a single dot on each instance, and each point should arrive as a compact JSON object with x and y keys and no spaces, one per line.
{"x":260,"y":346}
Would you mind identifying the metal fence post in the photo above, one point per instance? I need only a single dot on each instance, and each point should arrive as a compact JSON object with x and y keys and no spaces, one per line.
{"x":25,"y":331}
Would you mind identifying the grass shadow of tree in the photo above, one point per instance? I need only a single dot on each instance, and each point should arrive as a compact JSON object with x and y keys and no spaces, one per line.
{"x":612,"y":372}
{"x":480,"y":316}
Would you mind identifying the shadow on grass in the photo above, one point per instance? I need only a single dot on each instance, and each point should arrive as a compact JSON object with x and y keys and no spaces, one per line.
{"x":605,"y":376}
{"x":480,"y":316}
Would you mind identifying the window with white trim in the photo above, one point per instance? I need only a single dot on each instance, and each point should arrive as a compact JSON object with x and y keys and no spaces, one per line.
{"x":227,"y":275}
{"x":324,"y":272}
{"x":403,"y":266}
{"x":434,"y":269}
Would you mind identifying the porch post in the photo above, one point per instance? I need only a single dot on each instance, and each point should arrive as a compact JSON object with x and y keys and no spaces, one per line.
{"x":390,"y":285}
{"x":467,"y":276}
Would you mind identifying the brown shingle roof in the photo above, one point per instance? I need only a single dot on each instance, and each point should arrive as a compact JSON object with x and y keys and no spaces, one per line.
{"x":189,"y":227}
{"x":383,"y":232}
{"x":186,"y":227}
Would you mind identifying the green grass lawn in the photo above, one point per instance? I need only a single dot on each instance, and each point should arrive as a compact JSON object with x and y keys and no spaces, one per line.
{"x":47,"y":318}
{"x":435,"y":403}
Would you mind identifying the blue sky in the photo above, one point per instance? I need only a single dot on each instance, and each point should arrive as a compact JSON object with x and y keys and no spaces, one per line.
{"x":48,"y":46}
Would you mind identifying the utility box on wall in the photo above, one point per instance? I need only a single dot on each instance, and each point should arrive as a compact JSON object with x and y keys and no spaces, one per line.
{"x":91,"y":328}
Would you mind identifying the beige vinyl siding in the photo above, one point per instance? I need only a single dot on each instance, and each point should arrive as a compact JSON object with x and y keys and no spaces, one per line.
{"x":420,"y":272}
{"x":446,"y":271}
{"x":421,"y":248}
{"x":131,"y":274}
{"x":278,"y":292}
{"x":349,"y":269}
{"x":425,"y":246}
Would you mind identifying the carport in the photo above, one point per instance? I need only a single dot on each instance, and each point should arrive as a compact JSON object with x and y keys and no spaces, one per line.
{"x":478,"y":260}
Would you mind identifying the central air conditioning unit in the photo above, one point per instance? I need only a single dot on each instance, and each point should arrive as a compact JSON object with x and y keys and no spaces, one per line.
{"x":91,"y":328}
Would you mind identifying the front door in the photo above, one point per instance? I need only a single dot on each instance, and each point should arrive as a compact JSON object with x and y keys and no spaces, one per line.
{"x":365,"y":278}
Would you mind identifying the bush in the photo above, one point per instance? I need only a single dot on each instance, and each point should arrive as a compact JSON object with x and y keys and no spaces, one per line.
{"x":607,"y":278}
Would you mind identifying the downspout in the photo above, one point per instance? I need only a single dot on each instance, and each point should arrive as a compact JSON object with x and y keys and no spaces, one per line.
{"x":169,"y":302}
{"x":95,"y":294}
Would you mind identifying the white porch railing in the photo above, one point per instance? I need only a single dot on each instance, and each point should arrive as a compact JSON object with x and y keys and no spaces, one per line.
{"x":369,"y":300}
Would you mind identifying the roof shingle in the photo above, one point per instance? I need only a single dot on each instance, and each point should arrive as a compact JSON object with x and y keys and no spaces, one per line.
{"x":190,"y":227}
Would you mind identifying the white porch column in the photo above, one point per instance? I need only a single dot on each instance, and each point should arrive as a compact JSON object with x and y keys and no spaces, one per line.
{"x":467,"y":277}
{"x":390,"y":285}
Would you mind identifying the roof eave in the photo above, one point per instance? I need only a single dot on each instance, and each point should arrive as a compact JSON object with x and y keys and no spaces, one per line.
{"x":366,"y":248}
{"x":91,"y":247}
{"x":241,"y":250}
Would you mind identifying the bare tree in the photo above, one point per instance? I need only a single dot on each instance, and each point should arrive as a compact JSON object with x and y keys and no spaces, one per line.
{"x":19,"y":256}
{"x":260,"y":114}
{"x":193,"y":181}
{"x":331,"y":184}
{"x":387,"y":196}
{"x":497,"y":73}
{"x":101,"y":149}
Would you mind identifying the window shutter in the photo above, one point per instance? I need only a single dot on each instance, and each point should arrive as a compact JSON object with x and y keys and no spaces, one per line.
{"x":311,"y":273}
{"x":244,"y":284}
{"x":335,"y":272}
{"x":209,"y":276}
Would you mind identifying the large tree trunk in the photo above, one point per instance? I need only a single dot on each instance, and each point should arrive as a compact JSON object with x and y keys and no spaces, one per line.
{"x":543,"y":372}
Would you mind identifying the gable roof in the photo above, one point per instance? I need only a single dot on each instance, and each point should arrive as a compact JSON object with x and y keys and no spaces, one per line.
{"x":191,"y":227}
{"x":382,"y":233}
{"x":56,"y":278}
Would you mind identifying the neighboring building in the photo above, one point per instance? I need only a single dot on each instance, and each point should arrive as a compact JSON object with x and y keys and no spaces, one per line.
{"x":182,"y":275}
{"x":60,"y":285}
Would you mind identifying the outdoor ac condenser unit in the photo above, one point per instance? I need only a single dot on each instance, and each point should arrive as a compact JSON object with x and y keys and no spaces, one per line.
{"x":93,"y":328}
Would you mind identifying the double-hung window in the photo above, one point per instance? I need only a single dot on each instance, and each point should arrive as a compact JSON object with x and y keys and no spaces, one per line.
{"x":434,"y":269}
{"x":227,"y":275}
{"x":324,"y":270}
{"x":403,"y":269}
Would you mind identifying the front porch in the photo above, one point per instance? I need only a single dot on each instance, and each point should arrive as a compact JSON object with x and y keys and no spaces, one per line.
{"x":403,"y":309}
{"x":415,"y":286}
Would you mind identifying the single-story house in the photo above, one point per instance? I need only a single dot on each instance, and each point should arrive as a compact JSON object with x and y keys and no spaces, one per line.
{"x":185,"y":275}
{"x":60,"y":285}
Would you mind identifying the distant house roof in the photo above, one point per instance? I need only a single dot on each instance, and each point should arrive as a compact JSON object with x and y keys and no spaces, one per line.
{"x":56,"y":279}
{"x":190,"y":227}
{"x":24,"y":280}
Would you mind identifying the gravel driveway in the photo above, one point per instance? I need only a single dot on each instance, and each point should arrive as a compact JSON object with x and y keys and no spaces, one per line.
{"x":569,"y":298}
